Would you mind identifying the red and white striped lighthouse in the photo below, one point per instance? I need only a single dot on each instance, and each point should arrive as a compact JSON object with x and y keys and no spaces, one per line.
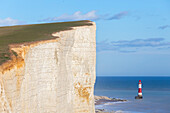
{"x":139,"y":90}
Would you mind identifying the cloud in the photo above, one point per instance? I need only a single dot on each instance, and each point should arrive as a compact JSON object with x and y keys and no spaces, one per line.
{"x":91,"y":15}
{"x":164,"y":27}
{"x":118,"y":16}
{"x":127,"y":46}
{"x":152,"y":42}
{"x":9,"y":21}
{"x":76,"y":16}
{"x":127,"y":51}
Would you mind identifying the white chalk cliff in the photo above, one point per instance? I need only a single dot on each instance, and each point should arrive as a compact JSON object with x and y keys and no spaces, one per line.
{"x":52,"y":76}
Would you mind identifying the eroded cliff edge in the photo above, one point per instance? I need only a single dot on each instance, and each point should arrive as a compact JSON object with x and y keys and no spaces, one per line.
{"x":55,"y":75}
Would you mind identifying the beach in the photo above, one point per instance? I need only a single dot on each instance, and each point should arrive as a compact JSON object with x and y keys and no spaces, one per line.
{"x":103,"y":100}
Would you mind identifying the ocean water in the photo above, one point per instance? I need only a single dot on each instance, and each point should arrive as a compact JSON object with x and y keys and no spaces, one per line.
{"x":156,"y":94}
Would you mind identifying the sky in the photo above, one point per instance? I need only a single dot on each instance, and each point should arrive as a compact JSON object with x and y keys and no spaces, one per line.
{"x":133,"y":36}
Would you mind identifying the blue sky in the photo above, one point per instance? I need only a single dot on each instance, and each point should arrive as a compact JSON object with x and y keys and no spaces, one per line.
{"x":133,"y":36}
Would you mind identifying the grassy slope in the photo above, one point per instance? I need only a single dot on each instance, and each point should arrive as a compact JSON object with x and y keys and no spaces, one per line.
{"x":29,"y":33}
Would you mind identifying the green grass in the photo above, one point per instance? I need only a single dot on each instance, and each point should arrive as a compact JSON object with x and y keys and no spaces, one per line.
{"x":30,"y":33}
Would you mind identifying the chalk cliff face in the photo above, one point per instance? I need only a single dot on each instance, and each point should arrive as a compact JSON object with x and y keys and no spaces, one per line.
{"x":51,"y":76}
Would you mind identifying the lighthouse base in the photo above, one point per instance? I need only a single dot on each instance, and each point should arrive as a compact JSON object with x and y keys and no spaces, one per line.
{"x":138,"y":97}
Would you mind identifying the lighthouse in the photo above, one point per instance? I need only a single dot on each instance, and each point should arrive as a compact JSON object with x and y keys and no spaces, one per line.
{"x":139,"y":90}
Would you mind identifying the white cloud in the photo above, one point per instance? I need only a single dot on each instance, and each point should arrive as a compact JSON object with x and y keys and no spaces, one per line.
{"x":76,"y":16}
{"x":91,"y":15}
{"x":9,"y":21}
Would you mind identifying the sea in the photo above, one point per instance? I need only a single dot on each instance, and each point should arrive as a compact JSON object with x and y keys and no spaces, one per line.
{"x":156,"y":94}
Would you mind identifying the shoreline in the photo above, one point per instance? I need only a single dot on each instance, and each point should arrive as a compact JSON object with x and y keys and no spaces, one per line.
{"x":101,"y":100}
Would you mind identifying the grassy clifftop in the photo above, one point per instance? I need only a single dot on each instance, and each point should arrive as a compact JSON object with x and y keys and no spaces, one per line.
{"x":30,"y":33}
